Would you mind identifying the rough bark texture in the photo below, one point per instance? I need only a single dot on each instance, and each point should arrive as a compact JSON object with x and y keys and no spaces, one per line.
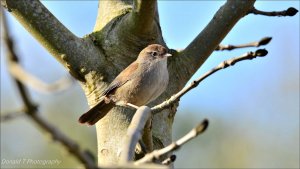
{"x":122,"y":29}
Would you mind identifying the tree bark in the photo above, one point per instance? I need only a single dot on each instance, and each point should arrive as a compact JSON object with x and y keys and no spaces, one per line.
{"x":122,"y":29}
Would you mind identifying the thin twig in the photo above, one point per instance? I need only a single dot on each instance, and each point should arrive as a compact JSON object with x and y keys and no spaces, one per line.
{"x":11,"y":115}
{"x":261,"y":42}
{"x":32,"y":112}
{"x":156,"y":154}
{"x":289,"y":12}
{"x":134,"y":131}
{"x":195,"y":83}
{"x":169,"y":160}
{"x":18,"y":72}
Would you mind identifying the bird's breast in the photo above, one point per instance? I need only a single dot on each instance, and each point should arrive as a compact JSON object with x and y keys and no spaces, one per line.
{"x":146,"y":86}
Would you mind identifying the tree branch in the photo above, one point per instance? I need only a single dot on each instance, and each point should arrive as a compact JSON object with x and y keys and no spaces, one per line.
{"x":195,"y":83}
{"x":194,"y":55}
{"x":289,"y":12}
{"x":134,"y":131}
{"x":156,"y":154}
{"x":11,"y":115}
{"x":143,"y":16}
{"x":28,"y":79}
{"x":108,"y":10}
{"x":32,"y":112}
{"x":76,"y":54}
{"x":263,"y":41}
{"x":146,"y":143}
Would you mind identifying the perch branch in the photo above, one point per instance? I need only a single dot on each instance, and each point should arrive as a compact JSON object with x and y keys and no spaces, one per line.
{"x":195,"y":83}
{"x":26,"y":78}
{"x":289,"y":12}
{"x":156,"y":154}
{"x":31,"y":111}
{"x":134,"y":130}
{"x":263,"y":41}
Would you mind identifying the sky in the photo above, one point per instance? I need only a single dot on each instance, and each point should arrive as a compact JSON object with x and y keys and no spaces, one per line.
{"x":258,"y":96}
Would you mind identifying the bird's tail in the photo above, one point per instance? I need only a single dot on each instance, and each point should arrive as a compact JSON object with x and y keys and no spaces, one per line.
{"x":96,"y":113}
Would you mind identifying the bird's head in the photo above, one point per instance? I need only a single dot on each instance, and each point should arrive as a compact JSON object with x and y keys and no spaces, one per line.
{"x":154,"y":52}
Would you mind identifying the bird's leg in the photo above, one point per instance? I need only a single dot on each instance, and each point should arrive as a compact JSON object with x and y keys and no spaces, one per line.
{"x":119,"y":103}
{"x":107,"y":100}
{"x":132,"y":105}
{"x":125,"y":104}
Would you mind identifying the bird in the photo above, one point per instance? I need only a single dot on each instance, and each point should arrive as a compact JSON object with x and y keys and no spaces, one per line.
{"x":140,"y":83}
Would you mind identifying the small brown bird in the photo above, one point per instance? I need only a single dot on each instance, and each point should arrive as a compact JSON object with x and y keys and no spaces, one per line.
{"x":139,"y":84}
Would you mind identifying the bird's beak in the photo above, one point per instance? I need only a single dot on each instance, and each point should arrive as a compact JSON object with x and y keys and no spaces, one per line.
{"x":167,"y":55}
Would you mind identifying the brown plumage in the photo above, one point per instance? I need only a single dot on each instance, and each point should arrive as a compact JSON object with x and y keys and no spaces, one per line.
{"x":139,"y":84}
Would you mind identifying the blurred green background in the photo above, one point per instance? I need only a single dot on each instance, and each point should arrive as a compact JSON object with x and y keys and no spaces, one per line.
{"x":253,"y":107}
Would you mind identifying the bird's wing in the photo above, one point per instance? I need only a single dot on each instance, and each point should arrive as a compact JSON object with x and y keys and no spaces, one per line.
{"x":126,"y":75}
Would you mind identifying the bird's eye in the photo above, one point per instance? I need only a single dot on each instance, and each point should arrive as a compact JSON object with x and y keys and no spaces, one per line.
{"x":154,"y":53}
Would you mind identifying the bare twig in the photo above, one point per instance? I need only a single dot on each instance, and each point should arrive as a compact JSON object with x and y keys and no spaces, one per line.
{"x":289,"y":12}
{"x":28,"y":79}
{"x":12,"y":115}
{"x":223,"y":65}
{"x":169,"y":160}
{"x":156,"y":154}
{"x":135,"y":128}
{"x":261,"y":42}
{"x":32,"y":112}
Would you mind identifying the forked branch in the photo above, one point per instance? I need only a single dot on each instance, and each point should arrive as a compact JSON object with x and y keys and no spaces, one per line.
{"x":211,"y":36}
{"x":156,"y":154}
{"x":195,"y":83}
